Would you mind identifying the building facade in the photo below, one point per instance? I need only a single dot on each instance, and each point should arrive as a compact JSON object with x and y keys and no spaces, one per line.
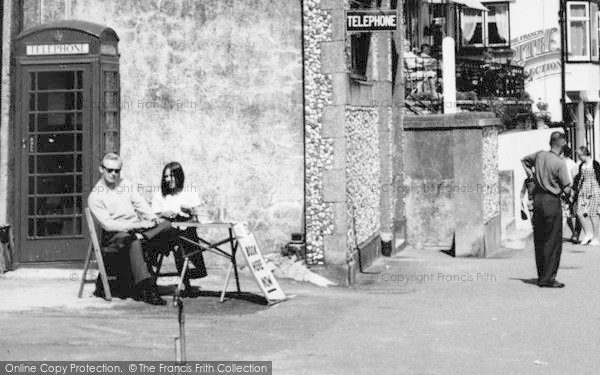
{"x":271,"y":108}
{"x":560,"y":54}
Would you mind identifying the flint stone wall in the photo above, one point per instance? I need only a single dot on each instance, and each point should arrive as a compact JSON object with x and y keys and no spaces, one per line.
{"x":363,"y":174}
{"x":319,"y":149}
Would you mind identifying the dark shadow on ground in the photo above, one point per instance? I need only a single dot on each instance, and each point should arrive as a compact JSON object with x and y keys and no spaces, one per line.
{"x":169,"y":290}
{"x":206,"y":304}
{"x":526,"y":281}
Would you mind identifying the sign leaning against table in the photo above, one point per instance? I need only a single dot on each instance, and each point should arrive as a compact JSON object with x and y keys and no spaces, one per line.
{"x":265,"y":279}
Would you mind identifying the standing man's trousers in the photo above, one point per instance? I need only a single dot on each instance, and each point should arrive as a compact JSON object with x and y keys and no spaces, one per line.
{"x":547,"y":235}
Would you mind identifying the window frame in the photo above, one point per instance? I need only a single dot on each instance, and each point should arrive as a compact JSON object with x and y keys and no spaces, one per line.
{"x":587,"y":19}
{"x":360,"y":47}
{"x":485,"y":29}
{"x":359,"y":43}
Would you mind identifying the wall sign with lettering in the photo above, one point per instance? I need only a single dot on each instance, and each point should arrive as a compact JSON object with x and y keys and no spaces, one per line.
{"x":265,"y":279}
{"x":58,"y":49}
{"x":538,"y":52}
{"x":371,"y":20}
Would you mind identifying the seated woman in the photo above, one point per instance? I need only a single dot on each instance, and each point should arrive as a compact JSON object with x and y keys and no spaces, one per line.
{"x":176,"y":204}
{"x":420,"y":72}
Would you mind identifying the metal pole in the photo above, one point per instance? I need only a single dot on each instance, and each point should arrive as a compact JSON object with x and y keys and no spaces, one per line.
{"x":178,"y":302}
{"x":182,"y":329}
{"x":177,"y":350}
{"x":180,"y":341}
{"x":563,"y":49}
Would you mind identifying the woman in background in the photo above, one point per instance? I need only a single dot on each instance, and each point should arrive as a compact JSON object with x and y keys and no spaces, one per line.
{"x":587,"y":185}
{"x":175,"y":203}
{"x":567,"y":205}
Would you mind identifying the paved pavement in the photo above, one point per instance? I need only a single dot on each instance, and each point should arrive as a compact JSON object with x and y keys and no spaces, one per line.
{"x":421,"y":312}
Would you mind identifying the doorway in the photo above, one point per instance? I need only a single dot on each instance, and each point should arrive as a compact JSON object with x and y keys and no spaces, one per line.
{"x":55,"y":129}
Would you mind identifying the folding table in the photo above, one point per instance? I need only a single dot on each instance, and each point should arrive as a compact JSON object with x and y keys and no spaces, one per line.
{"x":213,"y":247}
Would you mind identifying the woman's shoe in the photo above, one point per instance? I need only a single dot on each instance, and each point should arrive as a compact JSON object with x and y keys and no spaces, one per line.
{"x":586,"y":240}
{"x":195,"y":273}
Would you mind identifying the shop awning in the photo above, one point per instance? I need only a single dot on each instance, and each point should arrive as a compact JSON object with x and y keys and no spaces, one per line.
{"x":474,"y":4}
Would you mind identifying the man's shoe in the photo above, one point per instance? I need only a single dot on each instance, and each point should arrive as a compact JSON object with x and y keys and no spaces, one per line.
{"x":99,"y":293}
{"x":552,"y":284}
{"x":147,"y":291}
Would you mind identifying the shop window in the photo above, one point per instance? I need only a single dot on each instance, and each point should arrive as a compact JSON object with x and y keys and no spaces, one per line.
{"x":486,"y":29}
{"x":582,"y":34}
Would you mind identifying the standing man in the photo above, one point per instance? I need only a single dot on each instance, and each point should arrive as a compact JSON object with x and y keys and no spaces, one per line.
{"x":551,"y":179}
{"x":124,"y":215}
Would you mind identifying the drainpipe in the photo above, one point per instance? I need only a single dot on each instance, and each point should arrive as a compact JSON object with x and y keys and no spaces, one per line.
{"x":303,"y":225}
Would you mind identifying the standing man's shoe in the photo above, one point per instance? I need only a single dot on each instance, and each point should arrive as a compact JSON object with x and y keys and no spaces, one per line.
{"x":552,"y":284}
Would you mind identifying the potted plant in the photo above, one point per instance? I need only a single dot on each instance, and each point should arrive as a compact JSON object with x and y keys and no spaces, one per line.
{"x":543,"y":117}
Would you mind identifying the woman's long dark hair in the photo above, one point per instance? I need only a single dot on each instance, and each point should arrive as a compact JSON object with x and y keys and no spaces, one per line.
{"x":177,"y":172}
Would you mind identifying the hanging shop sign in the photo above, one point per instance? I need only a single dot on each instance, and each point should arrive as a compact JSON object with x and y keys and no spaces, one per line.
{"x":371,"y":20}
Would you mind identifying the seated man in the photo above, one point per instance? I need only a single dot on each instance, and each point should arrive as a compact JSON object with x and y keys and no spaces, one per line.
{"x":124,"y":215}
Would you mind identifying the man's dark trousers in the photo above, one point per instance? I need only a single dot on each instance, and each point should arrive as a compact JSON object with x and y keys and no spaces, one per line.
{"x":547,"y":235}
{"x":161,"y":238}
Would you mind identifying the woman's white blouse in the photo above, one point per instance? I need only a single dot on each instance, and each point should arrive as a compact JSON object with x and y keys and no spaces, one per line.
{"x":174,"y":202}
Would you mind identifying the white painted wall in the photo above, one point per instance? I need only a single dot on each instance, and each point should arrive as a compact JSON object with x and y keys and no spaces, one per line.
{"x":582,"y":77}
{"x":535,"y":38}
{"x":512,"y":147}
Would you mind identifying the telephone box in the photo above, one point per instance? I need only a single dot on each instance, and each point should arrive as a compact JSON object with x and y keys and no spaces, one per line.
{"x":67,"y":116}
